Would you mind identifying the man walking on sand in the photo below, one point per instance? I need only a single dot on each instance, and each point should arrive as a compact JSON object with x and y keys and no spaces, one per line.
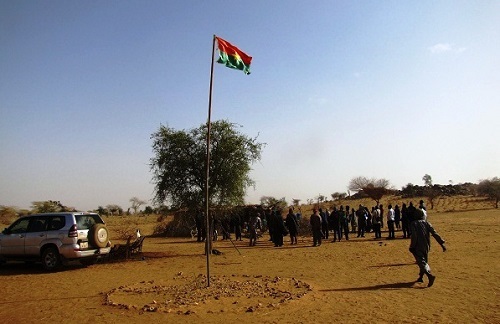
{"x":420,"y":245}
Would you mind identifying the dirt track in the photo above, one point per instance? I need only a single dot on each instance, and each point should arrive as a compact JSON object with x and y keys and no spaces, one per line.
{"x":352,"y":281}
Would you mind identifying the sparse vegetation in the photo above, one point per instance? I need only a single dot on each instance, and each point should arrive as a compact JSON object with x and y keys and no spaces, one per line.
{"x":373,"y":188}
{"x":491,"y":189}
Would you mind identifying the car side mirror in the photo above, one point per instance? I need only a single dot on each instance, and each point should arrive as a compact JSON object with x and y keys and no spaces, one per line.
{"x":6,"y":231}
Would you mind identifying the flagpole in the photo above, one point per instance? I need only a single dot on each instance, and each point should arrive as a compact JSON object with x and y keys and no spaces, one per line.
{"x":208,"y":239}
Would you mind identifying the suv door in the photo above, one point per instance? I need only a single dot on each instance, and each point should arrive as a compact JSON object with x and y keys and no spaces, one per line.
{"x":12,"y":239}
{"x":35,"y":235}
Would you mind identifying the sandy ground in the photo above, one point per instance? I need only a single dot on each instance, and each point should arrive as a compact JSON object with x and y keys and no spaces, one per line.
{"x":353,"y":281}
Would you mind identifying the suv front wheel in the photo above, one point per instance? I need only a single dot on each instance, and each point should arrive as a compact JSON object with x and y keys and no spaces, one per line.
{"x":51,"y":259}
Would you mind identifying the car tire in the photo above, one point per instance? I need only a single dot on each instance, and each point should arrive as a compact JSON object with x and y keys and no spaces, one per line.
{"x":99,"y":235}
{"x":51,"y":260}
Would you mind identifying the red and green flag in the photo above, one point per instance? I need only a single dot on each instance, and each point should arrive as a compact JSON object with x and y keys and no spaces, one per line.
{"x":232,"y":57}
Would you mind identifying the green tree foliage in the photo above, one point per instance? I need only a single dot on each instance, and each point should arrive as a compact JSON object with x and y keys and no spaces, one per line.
{"x":427,"y":179}
{"x":268,"y":201}
{"x":179,"y":165}
{"x":490,"y":188}
{"x":409,"y":191}
{"x":338,"y":195}
{"x":373,"y":188}
{"x":102,"y":211}
{"x":49,"y":206}
{"x":320,"y":198}
{"x":114,"y":210}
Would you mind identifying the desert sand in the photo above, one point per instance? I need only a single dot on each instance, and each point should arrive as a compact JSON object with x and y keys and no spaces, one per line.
{"x":354,"y":281}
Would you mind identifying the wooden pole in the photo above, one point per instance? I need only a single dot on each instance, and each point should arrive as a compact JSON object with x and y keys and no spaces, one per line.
{"x":208,"y":238}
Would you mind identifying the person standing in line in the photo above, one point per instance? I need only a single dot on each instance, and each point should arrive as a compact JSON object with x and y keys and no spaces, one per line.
{"x":236,"y":226}
{"x":269,"y":222}
{"x":411,"y":216}
{"x":344,"y":223}
{"x":421,"y":205}
{"x":381,"y":214}
{"x":397,"y":217}
{"x":420,"y":245}
{"x":327,"y":227}
{"x":369,"y":224}
{"x":390,"y":222}
{"x":315,"y":222}
{"x":279,"y":228}
{"x":352,"y":219}
{"x":405,"y":224}
{"x":376,"y":222}
{"x":254,"y":224}
{"x":292,"y":225}
{"x":324,"y":223}
{"x":337,"y":234}
{"x":360,"y":213}
{"x":200,"y":229}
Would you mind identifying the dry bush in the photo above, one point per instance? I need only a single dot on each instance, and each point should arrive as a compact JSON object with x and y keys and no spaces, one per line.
{"x":7,"y":215}
{"x":121,"y":227}
{"x":175,"y":226}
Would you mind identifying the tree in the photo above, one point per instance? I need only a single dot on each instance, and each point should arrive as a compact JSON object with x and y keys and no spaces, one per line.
{"x":49,"y":206}
{"x":490,"y":188}
{"x":269,"y":201}
{"x":114,"y":210}
{"x":102,"y":211}
{"x":320,"y":198}
{"x":409,"y":191}
{"x":373,"y":188}
{"x":427,"y":180}
{"x":338,"y":195}
{"x":179,"y":165}
{"x":430,"y":191}
{"x":136,"y":203}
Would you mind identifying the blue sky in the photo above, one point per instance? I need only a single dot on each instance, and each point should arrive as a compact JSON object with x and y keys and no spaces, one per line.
{"x":339,"y":89}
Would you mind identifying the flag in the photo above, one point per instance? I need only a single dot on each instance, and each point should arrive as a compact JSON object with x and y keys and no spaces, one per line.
{"x":232,"y":57}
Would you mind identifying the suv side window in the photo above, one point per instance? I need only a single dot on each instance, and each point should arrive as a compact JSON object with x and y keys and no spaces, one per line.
{"x":56,"y":223}
{"x":19,"y":227}
{"x":38,"y":224}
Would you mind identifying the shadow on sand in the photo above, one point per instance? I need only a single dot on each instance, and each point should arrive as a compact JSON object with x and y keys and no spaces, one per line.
{"x":389,"y":286}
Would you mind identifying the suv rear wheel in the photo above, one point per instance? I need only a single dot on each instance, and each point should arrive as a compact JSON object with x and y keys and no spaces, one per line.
{"x":51,"y":259}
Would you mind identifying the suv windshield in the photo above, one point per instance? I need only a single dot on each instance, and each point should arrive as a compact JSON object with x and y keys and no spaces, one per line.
{"x":85,"y":222}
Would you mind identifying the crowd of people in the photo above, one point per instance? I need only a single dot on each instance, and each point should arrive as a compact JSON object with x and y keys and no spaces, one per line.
{"x":340,"y":223}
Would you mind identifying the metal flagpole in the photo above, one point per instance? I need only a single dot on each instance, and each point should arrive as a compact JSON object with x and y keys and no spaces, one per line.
{"x":208,"y":238}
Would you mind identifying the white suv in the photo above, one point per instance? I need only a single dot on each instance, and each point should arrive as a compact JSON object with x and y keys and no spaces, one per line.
{"x":54,"y":238}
